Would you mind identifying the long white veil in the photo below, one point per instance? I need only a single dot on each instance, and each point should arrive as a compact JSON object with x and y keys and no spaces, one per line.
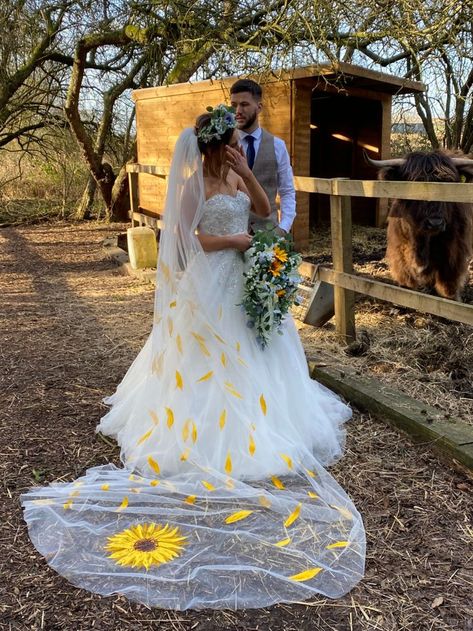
{"x":181,"y":525}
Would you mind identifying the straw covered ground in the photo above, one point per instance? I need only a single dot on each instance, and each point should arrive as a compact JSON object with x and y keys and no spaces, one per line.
{"x":426,"y":357}
{"x":70,"y":327}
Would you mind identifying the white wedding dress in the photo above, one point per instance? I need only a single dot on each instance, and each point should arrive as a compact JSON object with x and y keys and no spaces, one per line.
{"x":223,"y":500}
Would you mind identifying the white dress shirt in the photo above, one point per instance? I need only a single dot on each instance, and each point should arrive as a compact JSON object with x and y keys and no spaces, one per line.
{"x":286,"y":191}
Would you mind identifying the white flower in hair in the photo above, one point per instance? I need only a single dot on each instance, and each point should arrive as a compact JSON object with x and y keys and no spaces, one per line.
{"x":222,"y":118}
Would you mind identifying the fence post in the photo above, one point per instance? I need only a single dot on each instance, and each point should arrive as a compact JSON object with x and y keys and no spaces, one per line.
{"x":344,"y":299}
{"x":133,"y":186}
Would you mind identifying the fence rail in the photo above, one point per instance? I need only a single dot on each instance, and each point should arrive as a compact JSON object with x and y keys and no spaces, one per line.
{"x":341,"y":276}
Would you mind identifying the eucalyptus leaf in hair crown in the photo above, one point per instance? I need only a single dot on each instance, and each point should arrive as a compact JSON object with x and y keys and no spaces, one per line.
{"x":222,"y":118}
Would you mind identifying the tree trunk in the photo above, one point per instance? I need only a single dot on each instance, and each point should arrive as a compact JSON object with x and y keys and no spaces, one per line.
{"x":120,"y":197}
{"x":86,"y":204}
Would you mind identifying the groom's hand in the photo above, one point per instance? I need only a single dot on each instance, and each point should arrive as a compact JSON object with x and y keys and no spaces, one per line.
{"x":280,"y":232}
{"x":236,"y":160}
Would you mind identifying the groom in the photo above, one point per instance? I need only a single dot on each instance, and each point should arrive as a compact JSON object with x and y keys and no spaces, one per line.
{"x":267,"y":156}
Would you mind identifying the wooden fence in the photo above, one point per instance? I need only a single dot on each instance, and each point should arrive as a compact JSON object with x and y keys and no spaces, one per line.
{"x":341,"y":275}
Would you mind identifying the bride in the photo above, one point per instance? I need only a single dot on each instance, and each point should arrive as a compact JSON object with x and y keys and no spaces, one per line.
{"x":223,"y":500}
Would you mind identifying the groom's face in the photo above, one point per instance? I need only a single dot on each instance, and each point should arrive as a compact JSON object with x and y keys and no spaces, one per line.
{"x":247,"y":109}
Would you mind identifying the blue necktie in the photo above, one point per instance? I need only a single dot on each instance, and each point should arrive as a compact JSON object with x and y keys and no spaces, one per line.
{"x":250,"y":152}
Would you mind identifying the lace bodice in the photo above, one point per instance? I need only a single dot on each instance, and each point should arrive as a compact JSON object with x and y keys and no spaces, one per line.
{"x":225,"y":214}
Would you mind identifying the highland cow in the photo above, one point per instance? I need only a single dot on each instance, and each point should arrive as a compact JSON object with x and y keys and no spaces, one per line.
{"x":429,"y":244}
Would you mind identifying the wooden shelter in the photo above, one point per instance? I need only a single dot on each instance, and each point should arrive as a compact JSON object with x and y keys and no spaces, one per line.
{"x":327,"y":115}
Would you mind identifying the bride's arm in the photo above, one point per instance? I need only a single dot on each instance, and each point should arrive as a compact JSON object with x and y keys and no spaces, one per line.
{"x":212,"y":243}
{"x":248,"y":183}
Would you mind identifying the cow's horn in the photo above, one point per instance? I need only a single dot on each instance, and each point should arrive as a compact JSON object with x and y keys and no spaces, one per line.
{"x":462,"y":162}
{"x":379,"y":164}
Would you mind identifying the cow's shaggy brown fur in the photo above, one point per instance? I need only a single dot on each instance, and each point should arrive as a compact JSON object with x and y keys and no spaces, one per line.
{"x":430,"y":243}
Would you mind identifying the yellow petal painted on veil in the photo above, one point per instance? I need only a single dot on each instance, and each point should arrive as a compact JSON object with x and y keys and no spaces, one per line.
{"x":229,"y":483}
{"x":313,"y":495}
{"x":154,"y":482}
{"x":201,"y":340}
{"x":307,"y":575}
{"x":154,"y":465}
{"x":223,"y":359}
{"x":310,"y":473}
{"x":262,"y":402}
{"x":242,"y":514}
{"x":154,"y":416}
{"x":204,"y":349}
{"x":264,"y":501}
{"x":238,"y":346}
{"x":194,"y":432}
{"x":185,"y":454}
{"x":144,"y":437}
{"x":170,"y":326}
{"x":287,"y":460}
{"x":179,"y":343}
{"x":338,"y":544}
{"x":208,"y":485}
{"x":283,"y":542}
{"x":124,"y":504}
{"x":165,"y":270}
{"x":173,"y":304}
{"x":179,"y":381}
{"x":252,"y":446}
{"x":198,"y":336}
{"x":293,"y":516}
{"x":206,"y":377}
{"x":105,"y":487}
{"x":220,"y":312}
{"x":186,"y":430}
{"x":231,"y":389}
{"x":228,"y":464}
{"x":242,"y":362}
{"x":190,"y":499}
{"x":277,"y":483}
{"x":169,"y":417}
{"x":220,"y":339}
{"x":223,"y":419}
{"x":67,"y":505}
{"x":157,"y":365}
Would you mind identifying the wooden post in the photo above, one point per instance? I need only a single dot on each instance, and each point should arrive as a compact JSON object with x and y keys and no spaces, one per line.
{"x":382,"y":207}
{"x":134,"y":202}
{"x":340,"y":221}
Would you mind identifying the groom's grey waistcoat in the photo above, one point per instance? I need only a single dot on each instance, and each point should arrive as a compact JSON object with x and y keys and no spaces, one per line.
{"x":265,"y":170}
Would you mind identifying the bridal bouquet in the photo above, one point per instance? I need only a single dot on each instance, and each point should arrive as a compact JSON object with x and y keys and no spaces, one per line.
{"x":271,"y":282}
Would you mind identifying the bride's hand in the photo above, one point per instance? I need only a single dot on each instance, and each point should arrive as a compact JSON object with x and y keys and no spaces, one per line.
{"x":236,"y":160}
{"x":242,"y":241}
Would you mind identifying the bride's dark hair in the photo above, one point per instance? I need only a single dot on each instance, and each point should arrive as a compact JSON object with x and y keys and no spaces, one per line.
{"x":213,"y":150}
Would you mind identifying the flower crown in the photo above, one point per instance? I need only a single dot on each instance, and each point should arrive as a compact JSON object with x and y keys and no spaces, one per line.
{"x":222,"y":118}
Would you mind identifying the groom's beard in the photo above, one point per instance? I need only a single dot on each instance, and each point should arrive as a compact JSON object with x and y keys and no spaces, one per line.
{"x":249,"y":122}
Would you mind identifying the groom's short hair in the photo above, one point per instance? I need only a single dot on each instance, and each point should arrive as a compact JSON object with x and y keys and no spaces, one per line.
{"x":247,"y":85}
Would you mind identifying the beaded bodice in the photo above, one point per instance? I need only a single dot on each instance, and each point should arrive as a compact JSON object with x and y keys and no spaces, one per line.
{"x":226,"y":214}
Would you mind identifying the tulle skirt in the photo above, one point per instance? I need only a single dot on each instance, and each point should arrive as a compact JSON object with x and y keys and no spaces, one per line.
{"x":223,"y":500}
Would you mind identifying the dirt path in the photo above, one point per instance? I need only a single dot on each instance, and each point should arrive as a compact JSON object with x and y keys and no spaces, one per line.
{"x":70,"y":326}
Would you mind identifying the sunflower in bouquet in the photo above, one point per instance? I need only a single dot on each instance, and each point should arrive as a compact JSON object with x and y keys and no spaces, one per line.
{"x":271,"y":283}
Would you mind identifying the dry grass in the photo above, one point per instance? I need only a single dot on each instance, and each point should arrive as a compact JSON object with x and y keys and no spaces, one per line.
{"x":426,"y":357}
{"x":70,"y":328}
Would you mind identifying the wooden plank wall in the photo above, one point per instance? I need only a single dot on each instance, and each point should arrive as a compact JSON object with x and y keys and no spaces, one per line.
{"x":162,"y":113}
